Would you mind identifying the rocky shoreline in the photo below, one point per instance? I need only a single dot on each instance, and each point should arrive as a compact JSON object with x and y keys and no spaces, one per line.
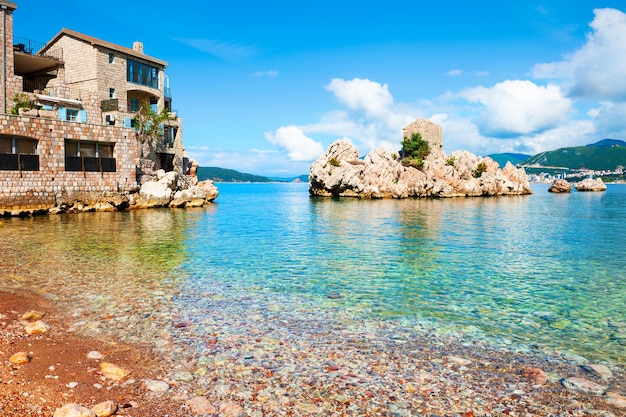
{"x":161,"y":189}
{"x":297,"y":370}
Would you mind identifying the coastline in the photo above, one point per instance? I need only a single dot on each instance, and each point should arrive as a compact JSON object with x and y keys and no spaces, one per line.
{"x":314,"y":373}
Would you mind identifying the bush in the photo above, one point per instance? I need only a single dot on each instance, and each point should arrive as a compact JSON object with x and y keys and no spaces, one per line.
{"x":450,"y":161}
{"x":414,"y":150}
{"x":22,"y":101}
{"x":333,"y":162}
{"x":482,"y":167}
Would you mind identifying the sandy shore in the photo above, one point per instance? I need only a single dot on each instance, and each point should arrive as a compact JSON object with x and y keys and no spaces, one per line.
{"x":348,"y":378}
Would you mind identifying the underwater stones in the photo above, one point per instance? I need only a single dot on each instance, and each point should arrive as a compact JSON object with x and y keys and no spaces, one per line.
{"x":201,"y":405}
{"x":598,"y":370}
{"x":535,"y":375}
{"x":583,"y":385}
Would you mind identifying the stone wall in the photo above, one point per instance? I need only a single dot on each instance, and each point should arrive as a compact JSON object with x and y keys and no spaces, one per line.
{"x":431,"y":133}
{"x":52,"y":185}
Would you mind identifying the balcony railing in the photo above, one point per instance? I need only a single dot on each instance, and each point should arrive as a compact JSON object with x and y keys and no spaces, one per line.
{"x":90,"y":164}
{"x":19,"y":162}
{"x":33,"y":47}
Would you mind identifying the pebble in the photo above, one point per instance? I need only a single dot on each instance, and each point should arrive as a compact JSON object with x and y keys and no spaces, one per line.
{"x":229,"y":409}
{"x":602,"y":371}
{"x":201,"y":405}
{"x":455,"y":360}
{"x":32,"y":315}
{"x":616,"y":399}
{"x":105,"y":408}
{"x":19,"y":358}
{"x":73,"y":410}
{"x":114,"y":372}
{"x":72,"y":385}
{"x":36,"y":327}
{"x":536,"y":376}
{"x":94,"y":354}
{"x":156,"y":386}
{"x":583,"y":385}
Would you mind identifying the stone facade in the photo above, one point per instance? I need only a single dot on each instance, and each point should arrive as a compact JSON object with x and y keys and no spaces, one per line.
{"x":430,"y":132}
{"x":83,"y":96}
{"x":52,"y":185}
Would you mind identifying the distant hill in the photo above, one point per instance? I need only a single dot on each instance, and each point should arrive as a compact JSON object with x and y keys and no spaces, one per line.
{"x":230,"y":175}
{"x":609,"y":142}
{"x":503,"y":158}
{"x":227,"y":175}
{"x":604,"y":155}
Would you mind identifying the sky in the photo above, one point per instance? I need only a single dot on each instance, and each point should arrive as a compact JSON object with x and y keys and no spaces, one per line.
{"x":266,"y":87}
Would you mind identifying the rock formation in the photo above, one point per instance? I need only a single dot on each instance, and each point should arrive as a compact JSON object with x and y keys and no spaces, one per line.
{"x":560,"y":186}
{"x":589,"y":184}
{"x":381,"y":174}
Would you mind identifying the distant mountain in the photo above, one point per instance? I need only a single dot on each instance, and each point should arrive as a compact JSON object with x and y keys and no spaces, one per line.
{"x":230,"y":175}
{"x":598,"y":156}
{"x":503,"y":158}
{"x":609,"y":142}
{"x":227,"y":175}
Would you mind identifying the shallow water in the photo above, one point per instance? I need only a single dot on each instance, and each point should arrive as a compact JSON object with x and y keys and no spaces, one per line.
{"x":541,"y":271}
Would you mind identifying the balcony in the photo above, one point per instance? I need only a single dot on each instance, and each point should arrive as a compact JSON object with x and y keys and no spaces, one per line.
{"x":30,"y":47}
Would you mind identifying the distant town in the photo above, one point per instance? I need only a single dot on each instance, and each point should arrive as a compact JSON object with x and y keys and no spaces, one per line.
{"x":540,"y":174}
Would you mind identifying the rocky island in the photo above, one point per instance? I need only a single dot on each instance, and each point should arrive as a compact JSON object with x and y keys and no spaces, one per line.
{"x":385,"y":174}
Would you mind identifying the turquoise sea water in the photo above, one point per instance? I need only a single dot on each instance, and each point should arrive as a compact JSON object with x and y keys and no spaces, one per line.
{"x":544,"y":271}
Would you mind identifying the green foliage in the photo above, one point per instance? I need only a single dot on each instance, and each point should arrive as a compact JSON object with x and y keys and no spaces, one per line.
{"x":333,"y":162}
{"x":22,"y":101}
{"x":394,"y":156}
{"x":227,"y":175}
{"x":591,"y":157}
{"x":414,"y":150}
{"x":450,"y":161}
{"x":482,"y":167}
{"x":149,"y":123}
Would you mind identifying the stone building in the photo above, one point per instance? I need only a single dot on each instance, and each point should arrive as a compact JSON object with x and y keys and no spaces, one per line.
{"x":430,"y":132}
{"x":67,"y":118}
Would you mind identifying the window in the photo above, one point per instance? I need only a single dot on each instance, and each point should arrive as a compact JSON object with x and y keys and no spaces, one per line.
{"x":71,"y":115}
{"x":89,"y":156}
{"x":111,"y":57}
{"x":134,"y":104}
{"x":18,"y":153}
{"x":140,"y":73}
{"x":111,"y":92}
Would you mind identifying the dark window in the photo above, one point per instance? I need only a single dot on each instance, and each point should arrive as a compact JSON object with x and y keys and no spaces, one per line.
{"x":17,"y":153}
{"x":111,"y":57}
{"x":140,"y":73}
{"x":89,"y":156}
{"x":134,"y":104}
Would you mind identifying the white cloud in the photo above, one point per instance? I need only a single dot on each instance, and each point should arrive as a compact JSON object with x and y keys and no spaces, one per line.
{"x":516,"y":107}
{"x":362,"y":95}
{"x":299,"y":147}
{"x":454,"y":73}
{"x":269,"y":73}
{"x":597,"y":69}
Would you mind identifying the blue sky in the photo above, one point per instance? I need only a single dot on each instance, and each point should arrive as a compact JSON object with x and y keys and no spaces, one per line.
{"x":265,"y":87}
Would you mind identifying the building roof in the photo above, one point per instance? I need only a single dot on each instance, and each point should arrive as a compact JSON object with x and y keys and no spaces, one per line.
{"x":98,"y":42}
{"x":8,"y":4}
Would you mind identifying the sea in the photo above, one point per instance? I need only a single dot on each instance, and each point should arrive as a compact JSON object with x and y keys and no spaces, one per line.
{"x":537,"y":272}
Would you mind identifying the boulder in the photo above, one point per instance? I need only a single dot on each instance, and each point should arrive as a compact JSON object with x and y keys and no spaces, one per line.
{"x":560,"y":186}
{"x":209,"y":188}
{"x":589,"y":184}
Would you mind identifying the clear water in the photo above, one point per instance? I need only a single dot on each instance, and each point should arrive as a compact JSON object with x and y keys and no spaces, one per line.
{"x":544,"y":271}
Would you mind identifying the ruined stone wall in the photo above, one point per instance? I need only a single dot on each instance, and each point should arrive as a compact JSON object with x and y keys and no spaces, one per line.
{"x":431,"y":133}
{"x":52,"y":185}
